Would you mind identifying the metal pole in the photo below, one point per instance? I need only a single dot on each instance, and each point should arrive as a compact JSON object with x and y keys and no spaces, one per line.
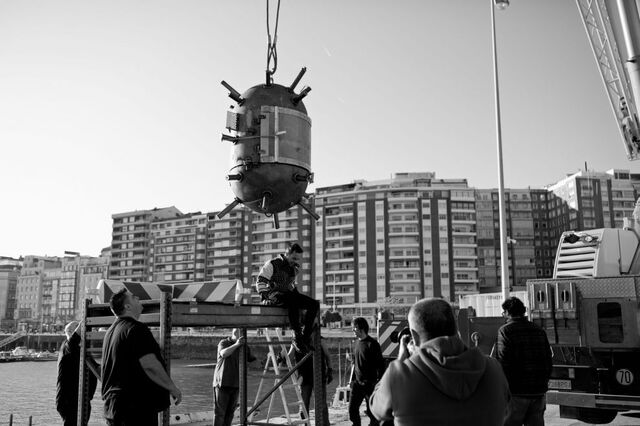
{"x":504,"y":258}
{"x":243,"y":378}
{"x":166,"y":304}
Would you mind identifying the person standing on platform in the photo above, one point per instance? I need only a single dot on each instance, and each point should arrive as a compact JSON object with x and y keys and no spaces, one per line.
{"x":226,"y":378}
{"x":68,"y":377}
{"x":524,"y":352}
{"x":368,"y":369}
{"x":135,"y":383}
{"x":276,"y":285}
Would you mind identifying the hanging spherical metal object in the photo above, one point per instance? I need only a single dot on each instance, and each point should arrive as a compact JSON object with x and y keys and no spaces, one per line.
{"x":271,"y":153}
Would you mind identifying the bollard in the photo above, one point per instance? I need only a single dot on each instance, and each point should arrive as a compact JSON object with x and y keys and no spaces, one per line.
{"x":10,"y":419}
{"x":30,"y":420}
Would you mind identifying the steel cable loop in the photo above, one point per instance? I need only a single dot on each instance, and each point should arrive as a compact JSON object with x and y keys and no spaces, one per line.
{"x":272,"y":53}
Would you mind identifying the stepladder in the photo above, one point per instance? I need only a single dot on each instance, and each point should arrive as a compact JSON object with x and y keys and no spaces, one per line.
{"x":280,"y":369}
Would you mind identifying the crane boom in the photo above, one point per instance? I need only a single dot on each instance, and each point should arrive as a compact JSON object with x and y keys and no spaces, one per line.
{"x":608,"y":25}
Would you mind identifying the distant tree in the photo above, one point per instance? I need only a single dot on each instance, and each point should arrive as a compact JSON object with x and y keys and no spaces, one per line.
{"x":330,"y":316}
{"x":393,"y":306}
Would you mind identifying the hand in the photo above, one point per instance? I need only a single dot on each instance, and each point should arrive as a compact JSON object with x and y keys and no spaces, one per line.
{"x":176,"y":394}
{"x":405,"y":350}
{"x":240,"y":341}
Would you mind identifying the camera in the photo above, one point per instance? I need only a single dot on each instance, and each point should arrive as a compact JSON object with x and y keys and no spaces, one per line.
{"x":396,"y":337}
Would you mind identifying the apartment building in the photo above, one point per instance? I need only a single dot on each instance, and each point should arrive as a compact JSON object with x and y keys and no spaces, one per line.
{"x":410,"y":236}
{"x":598,"y":199}
{"x":177,"y":248}
{"x":520,"y":236}
{"x":9,"y":272}
{"x":130,"y":243}
{"x":35,"y":289}
{"x":92,"y":270}
{"x":77,"y":279}
{"x":224,"y":260}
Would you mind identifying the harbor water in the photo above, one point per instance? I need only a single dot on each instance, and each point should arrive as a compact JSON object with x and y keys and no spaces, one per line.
{"x":29,"y":389}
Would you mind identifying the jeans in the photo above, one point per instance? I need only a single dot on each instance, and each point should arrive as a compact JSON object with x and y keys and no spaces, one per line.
{"x":358,"y":393}
{"x":526,"y":411}
{"x":294,"y":302}
{"x":225,"y":400}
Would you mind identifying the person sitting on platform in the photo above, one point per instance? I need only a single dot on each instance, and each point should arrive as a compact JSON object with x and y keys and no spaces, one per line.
{"x":276,"y":284}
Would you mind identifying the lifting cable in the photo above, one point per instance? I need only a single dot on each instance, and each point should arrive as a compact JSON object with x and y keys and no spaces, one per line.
{"x":272,"y":53}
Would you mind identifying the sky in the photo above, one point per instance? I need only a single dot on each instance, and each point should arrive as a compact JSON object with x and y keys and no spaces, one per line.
{"x":110,"y":106}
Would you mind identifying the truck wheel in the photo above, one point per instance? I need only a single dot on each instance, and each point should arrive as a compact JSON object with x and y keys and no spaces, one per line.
{"x":588,"y":415}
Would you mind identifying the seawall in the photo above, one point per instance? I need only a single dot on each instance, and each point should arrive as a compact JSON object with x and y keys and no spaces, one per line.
{"x":182,"y":346}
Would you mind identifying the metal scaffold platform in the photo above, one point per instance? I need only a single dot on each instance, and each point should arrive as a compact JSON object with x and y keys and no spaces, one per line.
{"x":166,"y":313}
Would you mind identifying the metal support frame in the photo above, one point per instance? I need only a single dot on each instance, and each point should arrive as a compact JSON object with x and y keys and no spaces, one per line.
{"x":167,"y":313}
{"x":83,"y":379}
{"x":595,"y":17}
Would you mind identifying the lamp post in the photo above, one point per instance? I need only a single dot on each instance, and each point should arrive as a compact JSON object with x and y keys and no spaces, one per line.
{"x":504,"y":257}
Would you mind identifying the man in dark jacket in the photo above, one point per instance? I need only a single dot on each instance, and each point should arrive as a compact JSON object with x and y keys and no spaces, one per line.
{"x":442,"y":382}
{"x":276,"y":285}
{"x":524,"y":352}
{"x":68,"y":376}
{"x":368,"y":367}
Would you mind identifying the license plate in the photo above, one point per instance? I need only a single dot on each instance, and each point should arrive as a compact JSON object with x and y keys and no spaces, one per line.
{"x":560,"y":384}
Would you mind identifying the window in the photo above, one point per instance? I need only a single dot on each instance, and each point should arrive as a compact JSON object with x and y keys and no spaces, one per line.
{"x":610,"y":322}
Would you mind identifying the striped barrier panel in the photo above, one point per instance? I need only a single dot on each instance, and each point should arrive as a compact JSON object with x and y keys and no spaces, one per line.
{"x":208,"y":291}
{"x":388,"y":336}
{"x":144,"y":291}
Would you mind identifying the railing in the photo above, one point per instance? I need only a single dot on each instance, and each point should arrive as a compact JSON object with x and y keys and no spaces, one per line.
{"x":11,"y":339}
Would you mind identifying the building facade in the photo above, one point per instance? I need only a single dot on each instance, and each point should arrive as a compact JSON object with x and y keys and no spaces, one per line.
{"x":177,"y":249}
{"x":409,"y":237}
{"x":35,"y":290}
{"x":9,"y":272}
{"x":130,"y":243}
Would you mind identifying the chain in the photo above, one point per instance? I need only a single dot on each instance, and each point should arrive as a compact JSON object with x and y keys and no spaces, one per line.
{"x":272,"y":53}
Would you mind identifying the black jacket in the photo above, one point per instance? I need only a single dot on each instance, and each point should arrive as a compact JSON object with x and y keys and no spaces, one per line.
{"x":524,"y":352}
{"x":68,"y":376}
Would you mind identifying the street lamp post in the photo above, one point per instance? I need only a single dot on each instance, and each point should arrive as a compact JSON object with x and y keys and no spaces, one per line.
{"x":504,"y":265}
{"x":334,"y":293}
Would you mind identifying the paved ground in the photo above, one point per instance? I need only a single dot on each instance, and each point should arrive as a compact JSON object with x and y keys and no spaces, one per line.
{"x":551,"y":418}
{"x":339,"y":417}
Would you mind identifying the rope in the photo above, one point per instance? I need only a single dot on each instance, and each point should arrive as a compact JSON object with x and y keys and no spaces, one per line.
{"x":272,"y":53}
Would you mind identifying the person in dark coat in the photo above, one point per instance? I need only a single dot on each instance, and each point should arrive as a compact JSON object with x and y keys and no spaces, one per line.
{"x":68,"y":376}
{"x":525,"y":355}
{"x":276,"y":284}
{"x":368,"y":367}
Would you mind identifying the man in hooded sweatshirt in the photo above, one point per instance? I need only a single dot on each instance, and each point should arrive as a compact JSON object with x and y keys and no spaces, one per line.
{"x":442,"y":382}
